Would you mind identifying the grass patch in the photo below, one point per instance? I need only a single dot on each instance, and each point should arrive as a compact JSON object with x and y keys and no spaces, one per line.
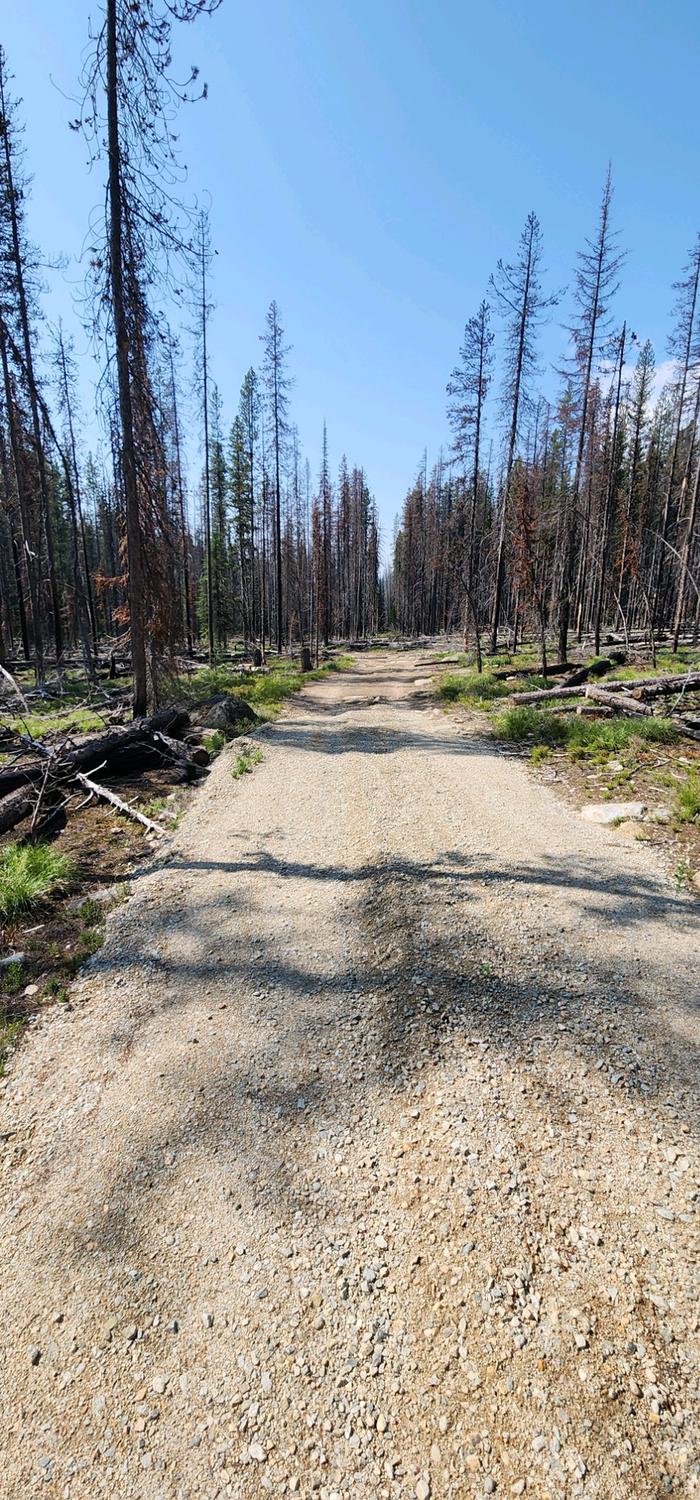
{"x":245,"y":762}
{"x":264,"y":691}
{"x":90,"y":912}
{"x":28,"y":873}
{"x":55,"y":718}
{"x":89,"y":941}
{"x":214,"y":741}
{"x":9,"y":1034}
{"x":474,"y":688}
{"x":686,"y":804}
{"x":582,"y":738}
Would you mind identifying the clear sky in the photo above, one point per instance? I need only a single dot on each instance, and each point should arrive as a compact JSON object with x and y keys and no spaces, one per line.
{"x":369,"y":161}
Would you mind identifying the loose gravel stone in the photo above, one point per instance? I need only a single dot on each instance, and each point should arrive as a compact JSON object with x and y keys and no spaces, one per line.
{"x":424,"y":1192}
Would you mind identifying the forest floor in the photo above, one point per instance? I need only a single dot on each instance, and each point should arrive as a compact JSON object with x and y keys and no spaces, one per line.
{"x":365,"y":1162}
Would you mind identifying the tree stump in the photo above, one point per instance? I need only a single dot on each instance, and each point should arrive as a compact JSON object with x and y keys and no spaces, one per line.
{"x":305,"y":659}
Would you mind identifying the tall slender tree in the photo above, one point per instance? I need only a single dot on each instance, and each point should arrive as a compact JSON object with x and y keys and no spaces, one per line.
{"x":517,"y":290}
{"x":277,"y":383}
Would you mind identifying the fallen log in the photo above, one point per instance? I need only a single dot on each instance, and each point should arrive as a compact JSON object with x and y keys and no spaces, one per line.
{"x":77,"y":754}
{"x":595,"y":668}
{"x":190,"y":758}
{"x":16,"y":807}
{"x":655,"y":687}
{"x":619,"y":703}
{"x":70,"y":759}
{"x":553,"y":669}
{"x":649,"y":687}
{"x":589,"y":709}
{"x":105,"y":795}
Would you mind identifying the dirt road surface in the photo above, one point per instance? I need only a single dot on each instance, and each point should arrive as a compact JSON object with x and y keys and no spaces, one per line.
{"x":365,"y":1163}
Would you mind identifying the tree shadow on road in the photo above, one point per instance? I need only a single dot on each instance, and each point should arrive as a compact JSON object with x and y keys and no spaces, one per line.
{"x":427,"y":978}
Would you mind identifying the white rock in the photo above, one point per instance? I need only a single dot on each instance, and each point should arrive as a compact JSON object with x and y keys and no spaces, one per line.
{"x":610,"y":813}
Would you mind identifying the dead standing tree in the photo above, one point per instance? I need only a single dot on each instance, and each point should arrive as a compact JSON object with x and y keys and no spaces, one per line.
{"x":518,"y":294}
{"x":130,"y":98}
{"x":468,"y":389}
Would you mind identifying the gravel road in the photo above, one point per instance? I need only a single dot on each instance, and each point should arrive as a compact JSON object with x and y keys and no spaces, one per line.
{"x":365,"y":1163}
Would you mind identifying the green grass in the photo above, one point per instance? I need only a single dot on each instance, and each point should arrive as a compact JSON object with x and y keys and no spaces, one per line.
{"x":55,"y":718}
{"x":264,"y":691}
{"x":90,"y":912}
{"x":687,"y":800}
{"x":9,"y":1035}
{"x":474,"y":688}
{"x":214,"y":741}
{"x":583,"y":738}
{"x":28,"y":873}
{"x":245,"y":762}
{"x":12,"y":978}
{"x":89,"y":941}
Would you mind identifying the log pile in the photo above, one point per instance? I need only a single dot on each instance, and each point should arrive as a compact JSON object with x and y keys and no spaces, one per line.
{"x":643,"y":688}
{"x":44,"y":779}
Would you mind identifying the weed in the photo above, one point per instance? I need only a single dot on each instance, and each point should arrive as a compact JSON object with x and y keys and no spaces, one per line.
{"x":28,"y":872}
{"x":245,"y":762}
{"x":682,"y":876}
{"x":57,"y":990}
{"x":9,"y":1036}
{"x":214,"y":741}
{"x":687,"y":800}
{"x":539,"y":753}
{"x":474,"y":688}
{"x":12,"y":978}
{"x":89,"y":941}
{"x":584,"y":739}
{"x":90,"y":912}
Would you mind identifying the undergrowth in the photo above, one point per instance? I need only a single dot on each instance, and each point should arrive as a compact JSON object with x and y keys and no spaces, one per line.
{"x":687,"y":800}
{"x":264,"y":691}
{"x":28,"y":873}
{"x":477,"y":689}
{"x":245,"y":762}
{"x":580,"y":737}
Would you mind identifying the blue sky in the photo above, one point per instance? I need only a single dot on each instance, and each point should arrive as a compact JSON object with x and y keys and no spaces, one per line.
{"x":367,"y":164}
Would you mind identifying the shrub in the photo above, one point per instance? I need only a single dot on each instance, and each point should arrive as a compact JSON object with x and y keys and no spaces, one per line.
{"x":582,"y":737}
{"x":28,"y":872}
{"x":687,"y":800}
{"x":245,"y":762}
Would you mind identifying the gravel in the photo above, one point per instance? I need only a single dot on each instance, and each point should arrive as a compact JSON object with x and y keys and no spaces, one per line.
{"x":442,"y":1113}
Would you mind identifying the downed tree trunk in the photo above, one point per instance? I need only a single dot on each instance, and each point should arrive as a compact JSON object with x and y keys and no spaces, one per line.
{"x":648,"y":687}
{"x":191,"y":758}
{"x":553,"y":669}
{"x":95,"y":749}
{"x":620,"y":703}
{"x":596,"y":668}
{"x":655,"y":687}
{"x":16,"y":807}
{"x":68,"y":761}
{"x":123,"y":807}
{"x":538,"y":695}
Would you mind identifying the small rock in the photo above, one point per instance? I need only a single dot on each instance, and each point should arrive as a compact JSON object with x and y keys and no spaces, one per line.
{"x":208,"y":1319}
{"x":160,"y":1384}
{"x":257,"y":1452}
{"x":34,"y":1355}
{"x":610,"y":813}
{"x":422,"y":1490}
